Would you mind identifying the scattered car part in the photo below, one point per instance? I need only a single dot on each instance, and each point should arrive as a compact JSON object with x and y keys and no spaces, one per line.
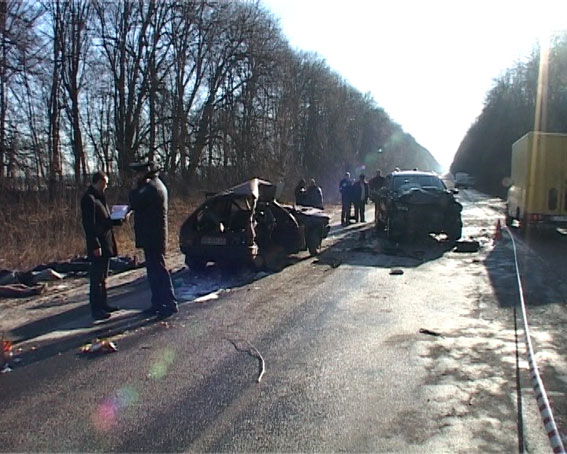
{"x":99,"y":346}
{"x":467,"y":246}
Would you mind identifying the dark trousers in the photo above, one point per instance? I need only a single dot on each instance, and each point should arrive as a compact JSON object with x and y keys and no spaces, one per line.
{"x":359,"y":209}
{"x":345,"y":212}
{"x":163,"y":296}
{"x":98,"y":274}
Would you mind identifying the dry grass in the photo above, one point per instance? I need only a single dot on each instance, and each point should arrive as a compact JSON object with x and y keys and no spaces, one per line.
{"x":35,"y":230}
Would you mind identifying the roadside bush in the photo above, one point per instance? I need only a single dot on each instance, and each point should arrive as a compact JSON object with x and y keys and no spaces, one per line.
{"x":38,"y":230}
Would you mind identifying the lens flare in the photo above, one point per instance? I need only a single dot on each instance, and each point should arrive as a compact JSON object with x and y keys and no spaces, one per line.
{"x":159,"y":368}
{"x":107,"y":414}
{"x":104,"y":418}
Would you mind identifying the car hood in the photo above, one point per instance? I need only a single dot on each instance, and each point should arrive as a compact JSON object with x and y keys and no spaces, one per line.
{"x":420,"y":196}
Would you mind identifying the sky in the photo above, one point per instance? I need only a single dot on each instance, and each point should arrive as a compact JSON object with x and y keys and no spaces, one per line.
{"x":428,"y":63}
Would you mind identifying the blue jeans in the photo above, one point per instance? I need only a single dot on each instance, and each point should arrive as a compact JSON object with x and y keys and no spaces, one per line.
{"x":163,"y":296}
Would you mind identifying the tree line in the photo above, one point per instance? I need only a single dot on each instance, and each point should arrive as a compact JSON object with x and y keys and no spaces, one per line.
{"x":208,"y":89}
{"x":509,"y":112}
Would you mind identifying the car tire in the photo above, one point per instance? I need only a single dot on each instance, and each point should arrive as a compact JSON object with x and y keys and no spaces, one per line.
{"x":314,"y":241}
{"x":196,"y":265}
{"x":380,"y":226}
{"x":274,"y":258}
{"x":258,"y":263}
{"x":455,"y":232}
{"x":393,"y":235}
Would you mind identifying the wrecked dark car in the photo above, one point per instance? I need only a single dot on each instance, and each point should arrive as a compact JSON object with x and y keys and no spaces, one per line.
{"x":413,"y":204}
{"x":246,"y":225}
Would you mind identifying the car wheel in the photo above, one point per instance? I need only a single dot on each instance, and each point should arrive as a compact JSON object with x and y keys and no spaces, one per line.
{"x":274,"y":258}
{"x":194,"y":264}
{"x":454,"y":232}
{"x":393,"y":234}
{"x":258,"y":263}
{"x":314,"y":243}
{"x":380,"y":226}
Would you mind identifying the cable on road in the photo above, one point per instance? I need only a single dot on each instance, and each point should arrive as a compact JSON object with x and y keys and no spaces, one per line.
{"x":252,"y":351}
{"x":537,"y":383}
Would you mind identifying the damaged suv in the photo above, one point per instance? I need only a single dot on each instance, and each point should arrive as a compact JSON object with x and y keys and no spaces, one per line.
{"x":412,"y":204}
{"x":245,"y":224}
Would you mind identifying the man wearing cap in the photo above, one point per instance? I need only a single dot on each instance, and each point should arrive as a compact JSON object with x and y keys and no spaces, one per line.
{"x":148,"y":200}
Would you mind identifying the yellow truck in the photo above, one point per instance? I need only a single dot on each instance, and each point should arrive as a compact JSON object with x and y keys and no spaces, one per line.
{"x":538,"y":195}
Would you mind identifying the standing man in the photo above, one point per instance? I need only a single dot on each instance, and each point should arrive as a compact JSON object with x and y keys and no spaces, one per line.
{"x":101,"y":244}
{"x":314,"y":195}
{"x":360,"y":198}
{"x":148,"y":200}
{"x":345,"y":186}
{"x":375,"y":183}
{"x":300,"y":192}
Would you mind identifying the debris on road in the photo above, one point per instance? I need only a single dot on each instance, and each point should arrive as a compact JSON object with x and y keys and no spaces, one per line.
{"x":467,"y":246}
{"x":23,"y":284}
{"x":21,"y":290}
{"x":208,"y":297}
{"x":429,"y":332}
{"x":99,"y":346}
{"x":6,"y":356}
{"x":252,"y":351}
{"x":396,"y":272}
{"x":335,"y":263}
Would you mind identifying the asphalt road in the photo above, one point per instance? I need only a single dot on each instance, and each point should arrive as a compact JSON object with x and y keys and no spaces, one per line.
{"x":346,"y":366}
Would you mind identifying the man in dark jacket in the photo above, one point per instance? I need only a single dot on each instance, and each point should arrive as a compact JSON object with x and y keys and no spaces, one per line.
{"x":375,"y":184}
{"x":148,"y":200}
{"x":360,"y":198}
{"x":101,"y":244}
{"x":313,"y":195}
{"x":345,"y":188}
{"x":300,"y":192}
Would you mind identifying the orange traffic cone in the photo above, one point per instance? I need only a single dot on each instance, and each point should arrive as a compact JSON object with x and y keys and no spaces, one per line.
{"x":498,"y":232}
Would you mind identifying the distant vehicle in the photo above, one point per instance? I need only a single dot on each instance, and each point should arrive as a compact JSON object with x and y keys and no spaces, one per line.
{"x":464,"y":180}
{"x":538,"y":192}
{"x":412,"y":204}
{"x":245,"y":224}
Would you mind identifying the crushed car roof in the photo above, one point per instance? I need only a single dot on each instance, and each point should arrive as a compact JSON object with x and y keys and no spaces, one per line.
{"x":413,"y":172}
{"x":256,"y":187}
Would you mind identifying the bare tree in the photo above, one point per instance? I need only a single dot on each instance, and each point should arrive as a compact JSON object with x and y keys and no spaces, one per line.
{"x":72,"y":33}
{"x":18,"y":42}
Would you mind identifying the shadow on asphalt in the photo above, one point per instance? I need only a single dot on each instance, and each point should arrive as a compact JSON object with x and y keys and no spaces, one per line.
{"x":542,"y":259}
{"x":46,"y":350}
{"x":360,"y":245}
{"x":363,"y":246}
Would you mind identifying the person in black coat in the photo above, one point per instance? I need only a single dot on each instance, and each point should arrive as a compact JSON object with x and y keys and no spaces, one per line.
{"x":375,"y":184}
{"x":148,"y":201}
{"x":101,"y":244}
{"x":313,"y":196}
{"x":300,"y":192}
{"x":360,"y":195}
{"x":345,"y":188}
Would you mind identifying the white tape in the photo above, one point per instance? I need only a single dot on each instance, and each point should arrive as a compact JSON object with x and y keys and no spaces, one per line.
{"x":537,"y":383}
